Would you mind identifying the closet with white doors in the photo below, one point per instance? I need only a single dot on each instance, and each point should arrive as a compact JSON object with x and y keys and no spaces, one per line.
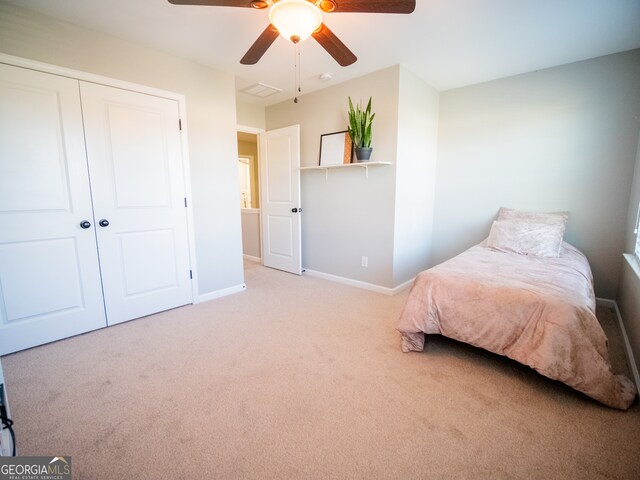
{"x":93,"y":218}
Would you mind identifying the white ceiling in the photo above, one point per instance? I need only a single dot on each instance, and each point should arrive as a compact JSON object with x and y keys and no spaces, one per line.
{"x":447,"y":43}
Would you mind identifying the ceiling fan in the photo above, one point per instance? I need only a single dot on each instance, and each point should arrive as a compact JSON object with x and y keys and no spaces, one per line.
{"x":297,"y":20}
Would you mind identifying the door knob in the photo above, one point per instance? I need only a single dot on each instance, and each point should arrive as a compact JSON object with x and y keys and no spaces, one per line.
{"x":294,"y":210}
{"x":85,"y":224}
{"x":103,"y":223}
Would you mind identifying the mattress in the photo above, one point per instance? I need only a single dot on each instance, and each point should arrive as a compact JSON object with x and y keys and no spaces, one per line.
{"x":537,"y":311}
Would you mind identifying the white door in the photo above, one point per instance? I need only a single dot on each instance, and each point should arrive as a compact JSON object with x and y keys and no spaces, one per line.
{"x":49,"y":275}
{"x":280,"y":198}
{"x":135,"y":163}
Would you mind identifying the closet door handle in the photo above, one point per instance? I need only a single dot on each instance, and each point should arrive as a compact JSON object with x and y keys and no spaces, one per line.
{"x":85,"y":224}
{"x":103,"y":223}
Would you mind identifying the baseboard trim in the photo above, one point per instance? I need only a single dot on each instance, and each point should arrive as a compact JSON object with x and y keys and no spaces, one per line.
{"x":403,"y":286}
{"x":605,"y":302}
{"x":251,"y":258}
{"x":359,"y":284}
{"x":220,"y":293}
{"x":627,"y":346}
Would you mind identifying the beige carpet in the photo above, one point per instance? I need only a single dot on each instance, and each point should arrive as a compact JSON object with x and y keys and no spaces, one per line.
{"x":301,"y":378}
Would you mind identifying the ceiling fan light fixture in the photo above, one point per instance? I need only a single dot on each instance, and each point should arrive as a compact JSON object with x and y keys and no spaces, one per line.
{"x":296,"y":20}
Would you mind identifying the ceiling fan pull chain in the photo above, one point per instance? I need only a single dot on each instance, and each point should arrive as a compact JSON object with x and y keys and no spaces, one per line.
{"x":299,"y":66}
{"x":296,"y":68}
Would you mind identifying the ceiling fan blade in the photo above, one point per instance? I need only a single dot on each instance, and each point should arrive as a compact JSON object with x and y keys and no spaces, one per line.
{"x":334,"y":46}
{"x":264,"y":41}
{"x":374,"y":6}
{"x":214,"y":3}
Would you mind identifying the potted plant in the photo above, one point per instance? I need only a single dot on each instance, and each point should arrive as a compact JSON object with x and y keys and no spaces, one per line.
{"x":360,"y":130}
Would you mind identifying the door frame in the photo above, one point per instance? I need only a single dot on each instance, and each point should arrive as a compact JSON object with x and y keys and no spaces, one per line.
{"x":134,"y":87}
{"x":256,"y":132}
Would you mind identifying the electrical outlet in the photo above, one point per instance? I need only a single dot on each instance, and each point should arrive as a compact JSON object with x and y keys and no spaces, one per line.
{"x":364,"y":261}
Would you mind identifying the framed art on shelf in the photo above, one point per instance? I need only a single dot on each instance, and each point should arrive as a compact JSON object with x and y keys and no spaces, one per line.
{"x":335,"y":148}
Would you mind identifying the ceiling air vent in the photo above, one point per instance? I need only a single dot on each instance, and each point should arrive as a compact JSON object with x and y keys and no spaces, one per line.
{"x":261,"y":90}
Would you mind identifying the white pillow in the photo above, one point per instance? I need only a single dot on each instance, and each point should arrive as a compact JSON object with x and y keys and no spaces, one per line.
{"x":526,"y":237}
{"x":535,"y":217}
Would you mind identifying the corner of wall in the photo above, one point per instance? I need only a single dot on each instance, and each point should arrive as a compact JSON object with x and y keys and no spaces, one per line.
{"x":418,"y":105}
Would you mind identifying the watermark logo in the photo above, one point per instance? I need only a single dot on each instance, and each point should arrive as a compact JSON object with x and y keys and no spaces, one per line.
{"x":35,"y":468}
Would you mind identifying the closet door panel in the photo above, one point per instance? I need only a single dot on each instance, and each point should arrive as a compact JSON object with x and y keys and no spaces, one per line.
{"x":49,"y":275}
{"x":135,"y":163}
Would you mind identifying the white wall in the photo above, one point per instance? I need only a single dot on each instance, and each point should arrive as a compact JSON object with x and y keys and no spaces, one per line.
{"x":347,"y":216}
{"x":211,"y":121}
{"x":415,"y":177}
{"x":628,"y":300}
{"x":629,"y":289}
{"x":563,"y":138}
{"x":251,"y":233}
{"x":250,"y":115}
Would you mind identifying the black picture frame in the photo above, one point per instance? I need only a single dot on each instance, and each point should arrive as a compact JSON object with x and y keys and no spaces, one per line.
{"x":335,"y":149}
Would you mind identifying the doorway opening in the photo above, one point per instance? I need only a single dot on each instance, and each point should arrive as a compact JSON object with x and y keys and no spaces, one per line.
{"x":271,"y":228}
{"x":249,"y":201}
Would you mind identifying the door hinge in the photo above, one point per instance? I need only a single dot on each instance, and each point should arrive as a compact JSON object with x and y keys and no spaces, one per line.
{"x":180,"y":124}
{"x":191,"y":274}
{"x":185,"y":202}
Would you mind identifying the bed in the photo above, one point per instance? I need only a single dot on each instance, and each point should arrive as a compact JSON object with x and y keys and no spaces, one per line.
{"x":536,"y":308}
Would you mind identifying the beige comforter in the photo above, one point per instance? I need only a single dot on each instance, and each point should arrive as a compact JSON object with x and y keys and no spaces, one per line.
{"x":537,"y":311}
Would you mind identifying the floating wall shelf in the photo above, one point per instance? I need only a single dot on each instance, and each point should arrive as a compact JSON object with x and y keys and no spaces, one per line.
{"x":364,"y":165}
